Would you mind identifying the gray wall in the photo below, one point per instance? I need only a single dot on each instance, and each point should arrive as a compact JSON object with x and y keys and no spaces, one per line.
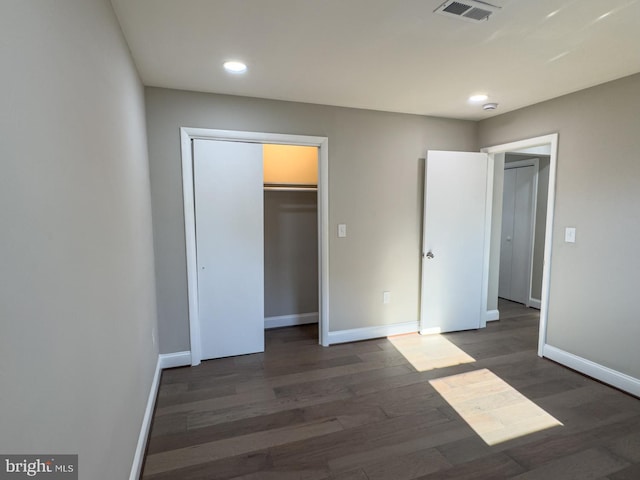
{"x":290,"y":253}
{"x":375,"y":187}
{"x":594,"y":282}
{"x":77,"y":299}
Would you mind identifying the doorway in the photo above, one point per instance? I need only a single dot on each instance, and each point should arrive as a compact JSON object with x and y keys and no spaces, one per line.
{"x":188,"y":135}
{"x":544,"y":145}
{"x":518,"y":212}
{"x":524,"y":210}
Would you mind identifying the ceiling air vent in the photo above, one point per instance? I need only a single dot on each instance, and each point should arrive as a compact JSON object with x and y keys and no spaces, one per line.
{"x":469,"y":10}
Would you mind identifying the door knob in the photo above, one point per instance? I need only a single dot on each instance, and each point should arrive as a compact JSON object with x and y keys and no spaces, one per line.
{"x":429,"y":255}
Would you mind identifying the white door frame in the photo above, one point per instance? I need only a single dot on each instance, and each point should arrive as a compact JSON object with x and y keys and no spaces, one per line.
{"x":551,"y":140}
{"x":187,"y":134}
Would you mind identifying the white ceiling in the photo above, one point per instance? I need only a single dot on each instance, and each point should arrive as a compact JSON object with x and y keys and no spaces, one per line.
{"x":392,"y":55}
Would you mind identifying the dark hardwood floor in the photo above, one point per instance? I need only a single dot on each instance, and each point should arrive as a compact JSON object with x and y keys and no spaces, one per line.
{"x":367,"y":411}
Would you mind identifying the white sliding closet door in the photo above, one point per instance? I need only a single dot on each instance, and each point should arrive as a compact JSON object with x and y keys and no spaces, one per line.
{"x":228,"y":190}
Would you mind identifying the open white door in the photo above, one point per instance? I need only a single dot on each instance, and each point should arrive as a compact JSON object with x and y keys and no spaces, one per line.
{"x":456,"y":228}
{"x":230,"y":248}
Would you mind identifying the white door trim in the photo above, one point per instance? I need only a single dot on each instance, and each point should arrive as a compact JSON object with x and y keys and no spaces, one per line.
{"x":187,"y":134}
{"x":551,"y":140}
{"x":487,"y":239}
{"x":530,"y":162}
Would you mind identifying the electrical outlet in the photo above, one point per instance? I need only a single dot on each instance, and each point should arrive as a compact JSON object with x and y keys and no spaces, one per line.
{"x":386,"y":297}
{"x":342,"y":230}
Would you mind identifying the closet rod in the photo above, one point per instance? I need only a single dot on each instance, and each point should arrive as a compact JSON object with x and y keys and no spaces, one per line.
{"x":283,"y":187}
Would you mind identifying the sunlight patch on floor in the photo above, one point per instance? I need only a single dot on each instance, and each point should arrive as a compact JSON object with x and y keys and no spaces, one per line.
{"x":427,"y":352}
{"x":493,"y":409}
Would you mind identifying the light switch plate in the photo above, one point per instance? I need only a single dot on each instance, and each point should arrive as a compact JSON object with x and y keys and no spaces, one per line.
{"x":570,"y":235}
{"x":386,"y":297}
{"x":342,"y":230}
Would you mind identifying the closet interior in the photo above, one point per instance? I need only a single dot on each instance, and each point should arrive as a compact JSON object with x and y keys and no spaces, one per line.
{"x":290,"y":235}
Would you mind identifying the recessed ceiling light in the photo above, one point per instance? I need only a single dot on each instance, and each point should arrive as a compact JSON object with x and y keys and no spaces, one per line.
{"x":480,"y":97}
{"x":235,"y":67}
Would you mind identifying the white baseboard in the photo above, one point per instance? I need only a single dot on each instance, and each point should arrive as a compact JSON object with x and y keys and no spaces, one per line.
{"x":493,"y":315}
{"x":138,"y":458}
{"x":290,"y":320}
{"x":535,"y":303}
{"x":604,"y":374}
{"x":367,"y":333}
{"x":165,"y":360}
{"x":431,"y":331}
{"x":176,"y":359}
